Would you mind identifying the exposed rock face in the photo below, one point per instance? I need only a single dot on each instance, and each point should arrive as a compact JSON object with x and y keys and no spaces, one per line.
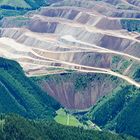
{"x":73,"y":36}
{"x":82,"y":95}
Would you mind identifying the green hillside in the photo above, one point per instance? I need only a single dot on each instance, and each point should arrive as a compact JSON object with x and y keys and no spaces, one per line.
{"x":30,"y":4}
{"x":15,"y":3}
{"x":21,"y":95}
{"x":131,"y":25}
{"x":20,"y":7}
{"x":19,"y":128}
{"x":119,"y":112}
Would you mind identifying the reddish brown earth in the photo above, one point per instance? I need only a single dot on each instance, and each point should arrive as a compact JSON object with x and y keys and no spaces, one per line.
{"x":74,"y":98}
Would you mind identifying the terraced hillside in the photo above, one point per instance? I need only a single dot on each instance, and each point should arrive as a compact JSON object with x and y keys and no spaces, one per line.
{"x":91,"y":39}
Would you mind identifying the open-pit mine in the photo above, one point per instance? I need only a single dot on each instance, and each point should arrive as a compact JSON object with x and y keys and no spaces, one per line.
{"x":76,"y":37}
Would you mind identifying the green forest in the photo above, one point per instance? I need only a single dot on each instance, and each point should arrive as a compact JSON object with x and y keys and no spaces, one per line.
{"x":19,"y":94}
{"x":10,"y":8}
{"x":14,"y":127}
{"x":119,"y":111}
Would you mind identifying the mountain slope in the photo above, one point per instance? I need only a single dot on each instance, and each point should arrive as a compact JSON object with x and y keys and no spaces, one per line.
{"x":24,"y":129}
{"x":83,"y":53}
{"x":20,"y":95}
{"x":78,"y":90}
{"x":119,"y":112}
{"x":20,"y":7}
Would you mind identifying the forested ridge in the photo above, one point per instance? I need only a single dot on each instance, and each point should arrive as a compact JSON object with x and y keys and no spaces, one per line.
{"x":19,"y":94}
{"x":14,"y":127}
{"x":8,"y":8}
{"x":119,"y":111}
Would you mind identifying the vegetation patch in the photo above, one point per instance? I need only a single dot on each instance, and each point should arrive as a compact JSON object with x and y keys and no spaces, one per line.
{"x":131,"y":25}
{"x":137,"y":75}
{"x":66,"y":119}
